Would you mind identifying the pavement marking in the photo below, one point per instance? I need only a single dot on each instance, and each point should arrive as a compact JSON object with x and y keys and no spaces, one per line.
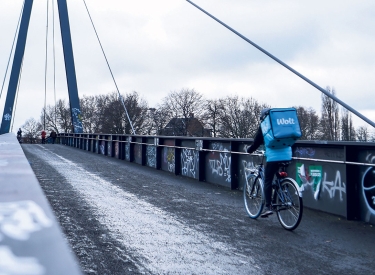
{"x":162,"y":243}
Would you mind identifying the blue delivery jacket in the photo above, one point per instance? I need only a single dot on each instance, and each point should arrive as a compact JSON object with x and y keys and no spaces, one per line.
{"x":272,"y":155}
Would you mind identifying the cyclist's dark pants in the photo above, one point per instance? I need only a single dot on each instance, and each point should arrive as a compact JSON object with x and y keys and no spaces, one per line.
{"x":269,"y":173}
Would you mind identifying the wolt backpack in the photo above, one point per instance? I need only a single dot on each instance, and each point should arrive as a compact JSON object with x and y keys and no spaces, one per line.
{"x":280,"y":128}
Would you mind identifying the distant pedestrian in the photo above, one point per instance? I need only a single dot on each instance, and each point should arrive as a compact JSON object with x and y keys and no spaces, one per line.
{"x":19,"y":135}
{"x":44,"y":137}
{"x":53,"y":136}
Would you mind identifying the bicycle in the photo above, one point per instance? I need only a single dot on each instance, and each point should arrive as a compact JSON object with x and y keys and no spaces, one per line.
{"x":286,"y":197}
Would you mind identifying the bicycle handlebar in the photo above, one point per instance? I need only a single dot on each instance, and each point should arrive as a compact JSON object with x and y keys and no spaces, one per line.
{"x":258,"y":153}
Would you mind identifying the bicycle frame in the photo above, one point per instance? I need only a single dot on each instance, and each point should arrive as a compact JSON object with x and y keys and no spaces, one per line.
{"x":276,"y":185}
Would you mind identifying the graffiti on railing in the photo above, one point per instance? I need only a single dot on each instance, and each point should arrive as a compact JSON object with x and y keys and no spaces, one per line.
{"x":189,"y":162}
{"x":169,"y":159}
{"x":334,"y":154}
{"x":109,"y":148}
{"x":117,"y":150}
{"x":221,"y":166}
{"x":218,"y":146}
{"x":127,"y":151}
{"x":151,"y":156}
{"x":249,"y":169}
{"x":102,"y":148}
{"x":18,"y":220}
{"x":138,"y":153}
{"x":219,"y":163}
{"x":304,"y":152}
{"x":368,"y":185}
{"x":332,"y":186}
{"x":310,"y":177}
{"x":12,"y":264}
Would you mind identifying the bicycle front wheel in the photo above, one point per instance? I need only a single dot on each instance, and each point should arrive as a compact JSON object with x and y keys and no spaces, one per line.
{"x":253,"y":196}
{"x":289,"y":205}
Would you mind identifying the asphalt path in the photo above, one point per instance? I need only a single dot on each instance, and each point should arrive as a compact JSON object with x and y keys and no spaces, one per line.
{"x":123,"y":218}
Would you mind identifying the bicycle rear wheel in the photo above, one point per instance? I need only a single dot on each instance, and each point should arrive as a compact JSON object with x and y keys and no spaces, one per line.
{"x":289,"y":205}
{"x":253,"y":196}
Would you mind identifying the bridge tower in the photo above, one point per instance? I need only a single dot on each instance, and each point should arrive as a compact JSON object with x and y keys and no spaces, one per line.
{"x":69,"y":67}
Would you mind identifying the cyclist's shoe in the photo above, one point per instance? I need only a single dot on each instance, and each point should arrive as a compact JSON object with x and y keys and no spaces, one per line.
{"x":266,"y":211}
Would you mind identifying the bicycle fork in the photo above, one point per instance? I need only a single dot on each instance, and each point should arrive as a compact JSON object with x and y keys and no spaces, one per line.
{"x":252,"y":191}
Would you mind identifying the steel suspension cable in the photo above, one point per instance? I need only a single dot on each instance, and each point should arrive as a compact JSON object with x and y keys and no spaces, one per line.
{"x":288,"y":67}
{"x":109,"y":67}
{"x":10,"y":55}
{"x":45,"y":73}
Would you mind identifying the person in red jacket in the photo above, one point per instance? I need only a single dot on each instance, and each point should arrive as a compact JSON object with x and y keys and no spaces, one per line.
{"x":44,"y":137}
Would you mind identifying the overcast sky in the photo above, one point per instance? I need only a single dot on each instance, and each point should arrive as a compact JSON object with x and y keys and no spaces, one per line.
{"x":155,"y":47}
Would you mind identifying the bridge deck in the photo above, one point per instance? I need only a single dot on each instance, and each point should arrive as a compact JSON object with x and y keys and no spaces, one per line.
{"x":121,"y":217}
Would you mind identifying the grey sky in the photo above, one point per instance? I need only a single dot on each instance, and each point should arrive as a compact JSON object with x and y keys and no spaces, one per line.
{"x":155,"y":47}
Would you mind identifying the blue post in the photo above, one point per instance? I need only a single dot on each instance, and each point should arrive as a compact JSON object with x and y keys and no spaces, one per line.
{"x":69,"y":67}
{"x":16,"y":68}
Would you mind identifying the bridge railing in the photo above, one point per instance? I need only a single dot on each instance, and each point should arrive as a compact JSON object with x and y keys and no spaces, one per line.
{"x":337,"y":177}
{"x":31,"y":241}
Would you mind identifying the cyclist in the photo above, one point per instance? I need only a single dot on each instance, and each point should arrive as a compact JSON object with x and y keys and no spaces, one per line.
{"x":19,"y":135}
{"x":273,"y":157}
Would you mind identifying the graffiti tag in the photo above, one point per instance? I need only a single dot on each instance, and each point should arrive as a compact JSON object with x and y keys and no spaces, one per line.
{"x":19,"y":219}
{"x":170,"y":159}
{"x":189,"y":159}
{"x":368,"y":185}
{"x":332,"y":186}
{"x":305,"y":152}
{"x":221,"y":167}
{"x":127,"y":152}
{"x":12,"y":265}
{"x":102,"y":149}
{"x":151,"y":156}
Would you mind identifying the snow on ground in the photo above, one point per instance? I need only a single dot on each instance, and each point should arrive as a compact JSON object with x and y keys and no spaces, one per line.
{"x":162,"y":243}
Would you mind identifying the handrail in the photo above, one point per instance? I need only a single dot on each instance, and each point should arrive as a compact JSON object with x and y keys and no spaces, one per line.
{"x":223,"y":151}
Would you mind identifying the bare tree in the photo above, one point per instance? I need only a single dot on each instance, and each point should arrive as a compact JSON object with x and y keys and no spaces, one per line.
{"x":309,"y":123}
{"x":50,"y":118}
{"x":64,"y":118}
{"x":112,"y":115}
{"x":347,"y":127}
{"x":106,"y":113}
{"x":32,"y":129}
{"x":330,"y":121}
{"x":89,"y":113}
{"x":185,"y":104}
{"x":211,"y":116}
{"x":372,"y":136}
{"x":239,"y":117}
{"x":362,"y":134}
{"x":137,"y":109}
{"x":157,"y":119}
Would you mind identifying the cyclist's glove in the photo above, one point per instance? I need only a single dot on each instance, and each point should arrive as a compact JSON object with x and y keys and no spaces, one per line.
{"x":251,"y":149}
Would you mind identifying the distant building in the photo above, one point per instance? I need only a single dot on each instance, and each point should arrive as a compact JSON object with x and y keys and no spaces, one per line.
{"x":190,"y":127}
